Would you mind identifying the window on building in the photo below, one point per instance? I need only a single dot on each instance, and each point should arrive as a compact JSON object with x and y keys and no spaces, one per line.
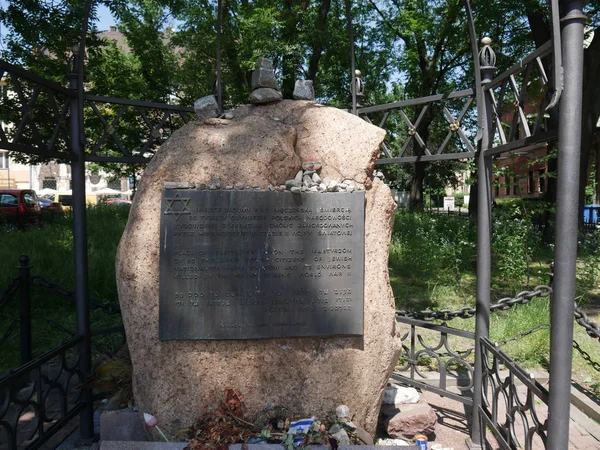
{"x":542,"y":180}
{"x":532,"y":189}
{"x":49,"y":183}
{"x":115,"y":183}
{"x":3,"y":160}
{"x":507,"y":184}
{"x":516,"y":185}
{"x":497,"y":188}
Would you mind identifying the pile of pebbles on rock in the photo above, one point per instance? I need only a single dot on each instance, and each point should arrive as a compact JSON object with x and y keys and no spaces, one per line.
{"x":310,"y":181}
{"x":306,"y":180}
{"x":264,"y":83}
{"x":264,"y":90}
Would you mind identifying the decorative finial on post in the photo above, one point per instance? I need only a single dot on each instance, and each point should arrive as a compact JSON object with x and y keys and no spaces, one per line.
{"x":358,"y":87}
{"x":487,"y":60}
{"x":74,"y":59}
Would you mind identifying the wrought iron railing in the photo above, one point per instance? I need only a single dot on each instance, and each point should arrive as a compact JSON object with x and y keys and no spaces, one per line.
{"x":122,"y":130}
{"x":514,"y":406}
{"x":453,"y":365}
{"x":519,"y":98}
{"x":39,"y":398}
{"x":43,"y":394}
{"x":34,"y":112}
{"x":408,"y":123}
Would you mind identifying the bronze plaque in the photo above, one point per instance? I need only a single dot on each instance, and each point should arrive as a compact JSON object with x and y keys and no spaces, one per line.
{"x":258,"y":264}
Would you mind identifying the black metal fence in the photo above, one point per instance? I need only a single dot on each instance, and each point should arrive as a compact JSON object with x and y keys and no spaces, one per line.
{"x":515,"y":415}
{"x":452,"y":364}
{"x":44,"y":392}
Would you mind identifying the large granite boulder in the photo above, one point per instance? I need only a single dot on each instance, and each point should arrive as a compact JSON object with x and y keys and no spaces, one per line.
{"x":261,"y":145}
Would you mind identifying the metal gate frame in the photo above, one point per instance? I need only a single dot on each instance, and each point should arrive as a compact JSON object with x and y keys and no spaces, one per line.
{"x":567,"y":41}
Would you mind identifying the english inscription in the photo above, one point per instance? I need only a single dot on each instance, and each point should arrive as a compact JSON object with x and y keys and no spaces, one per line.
{"x":257,"y":264}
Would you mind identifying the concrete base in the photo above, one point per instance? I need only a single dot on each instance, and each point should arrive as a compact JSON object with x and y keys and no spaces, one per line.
{"x":122,"y":426}
{"x":122,"y":445}
{"x":472,"y":446}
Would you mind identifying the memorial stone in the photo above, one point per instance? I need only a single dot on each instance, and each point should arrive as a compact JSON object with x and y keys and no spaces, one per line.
{"x":338,"y":361}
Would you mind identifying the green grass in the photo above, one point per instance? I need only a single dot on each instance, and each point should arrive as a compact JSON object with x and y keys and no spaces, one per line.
{"x":428,"y":251}
{"x":432,"y":266}
{"x":50,"y":249}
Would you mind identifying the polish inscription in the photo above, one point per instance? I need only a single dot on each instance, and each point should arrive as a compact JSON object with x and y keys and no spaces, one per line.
{"x":258,"y":264}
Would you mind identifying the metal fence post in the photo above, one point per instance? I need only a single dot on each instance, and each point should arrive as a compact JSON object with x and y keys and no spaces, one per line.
{"x":86,"y":417}
{"x":567,"y":211}
{"x":484,"y":237}
{"x":352,"y":57}
{"x":25,"y":308}
{"x":483,"y":65}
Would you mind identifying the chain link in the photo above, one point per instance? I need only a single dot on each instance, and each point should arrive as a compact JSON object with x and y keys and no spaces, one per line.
{"x":107,"y":307}
{"x":592,"y":329}
{"x":522,"y":334}
{"x":466,"y":312}
{"x":14,"y":285}
{"x":586,"y":356}
{"x":9,"y":331}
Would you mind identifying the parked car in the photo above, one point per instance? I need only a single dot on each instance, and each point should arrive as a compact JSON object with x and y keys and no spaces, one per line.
{"x":50,"y":209}
{"x":66,"y":199}
{"x":118,"y":201}
{"x":19,"y":208}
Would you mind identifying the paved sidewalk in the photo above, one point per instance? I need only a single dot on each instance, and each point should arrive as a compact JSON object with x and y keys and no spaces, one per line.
{"x":454,"y":424}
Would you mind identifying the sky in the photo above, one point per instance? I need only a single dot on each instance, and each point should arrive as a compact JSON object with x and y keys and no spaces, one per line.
{"x":105,"y":19}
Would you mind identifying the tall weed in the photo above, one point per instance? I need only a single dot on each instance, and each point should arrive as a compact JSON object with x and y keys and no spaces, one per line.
{"x":440,"y":248}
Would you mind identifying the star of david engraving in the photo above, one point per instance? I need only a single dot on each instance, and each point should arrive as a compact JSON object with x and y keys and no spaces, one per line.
{"x":177,"y":206}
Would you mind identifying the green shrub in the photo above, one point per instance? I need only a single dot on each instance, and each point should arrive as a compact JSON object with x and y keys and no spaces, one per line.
{"x":459,"y":199}
{"x":438,"y":247}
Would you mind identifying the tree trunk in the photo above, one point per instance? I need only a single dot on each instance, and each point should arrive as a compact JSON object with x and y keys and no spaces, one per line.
{"x":415,"y":201}
{"x":473,"y":203}
{"x":416,"y":189}
{"x":291,"y":62}
{"x":318,"y":39}
{"x":597,"y":166}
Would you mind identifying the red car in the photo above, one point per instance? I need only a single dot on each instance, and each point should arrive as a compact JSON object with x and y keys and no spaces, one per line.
{"x":19,"y":208}
{"x":117,"y":201}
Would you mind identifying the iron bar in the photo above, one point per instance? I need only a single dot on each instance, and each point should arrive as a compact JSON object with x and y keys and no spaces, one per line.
{"x":540,"y":52}
{"x":120,"y":159}
{"x":352,"y":57}
{"x":523,"y":145}
{"x":565,"y":254}
{"x":143,"y":104}
{"x":25,"y":309}
{"x":30,"y":150}
{"x":416,"y":101}
{"x":219,"y":35}
{"x":413,"y":159}
{"x":484,"y":229}
{"x":435,"y":327}
{"x":30,"y":76}
{"x":23,"y":371}
{"x":86,"y":416}
{"x":428,"y":387}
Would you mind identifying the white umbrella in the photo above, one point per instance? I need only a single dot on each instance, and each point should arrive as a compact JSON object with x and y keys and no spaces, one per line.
{"x":47,"y":191}
{"x":107,"y":191}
